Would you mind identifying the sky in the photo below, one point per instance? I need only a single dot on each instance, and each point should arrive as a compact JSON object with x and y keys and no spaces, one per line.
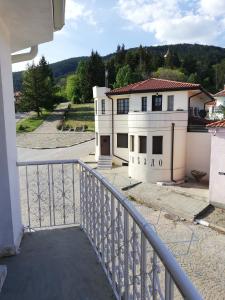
{"x":103,"y":24}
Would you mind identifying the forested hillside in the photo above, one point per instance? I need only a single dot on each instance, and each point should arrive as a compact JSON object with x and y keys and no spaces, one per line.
{"x":184,"y":62}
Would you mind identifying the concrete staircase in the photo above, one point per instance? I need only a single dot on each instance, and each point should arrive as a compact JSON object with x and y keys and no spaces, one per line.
{"x":104,"y":162}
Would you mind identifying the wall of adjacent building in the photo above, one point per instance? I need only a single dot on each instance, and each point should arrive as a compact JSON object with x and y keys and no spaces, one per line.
{"x":217,"y":170}
{"x":198,"y":153}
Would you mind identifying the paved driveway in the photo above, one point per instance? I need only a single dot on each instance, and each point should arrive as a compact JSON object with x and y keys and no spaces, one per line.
{"x":78,"y":151}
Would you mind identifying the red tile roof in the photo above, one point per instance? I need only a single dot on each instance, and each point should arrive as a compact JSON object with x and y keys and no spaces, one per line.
{"x":220,"y":94}
{"x":154,"y":85}
{"x":217,"y":124}
{"x":213,"y":102}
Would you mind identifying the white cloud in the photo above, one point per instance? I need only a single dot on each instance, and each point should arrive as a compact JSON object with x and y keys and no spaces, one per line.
{"x":213,"y":8}
{"x":176,"y":21}
{"x":76,"y":11}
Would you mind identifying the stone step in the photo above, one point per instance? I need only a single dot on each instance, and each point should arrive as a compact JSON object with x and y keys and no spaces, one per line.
{"x":3,"y":273}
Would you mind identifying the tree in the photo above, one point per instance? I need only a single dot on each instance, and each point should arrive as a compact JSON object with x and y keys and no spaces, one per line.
{"x":125,"y":76}
{"x":47,"y":84}
{"x":37,"y":87}
{"x":73,"y":88}
{"x":90,"y":73}
{"x":189,"y":64}
{"x":31,"y":98}
{"x":170,"y":74}
{"x":172,"y":60}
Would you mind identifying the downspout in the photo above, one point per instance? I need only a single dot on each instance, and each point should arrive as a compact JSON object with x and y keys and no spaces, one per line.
{"x":172,"y":152}
{"x":25,"y":56}
{"x":113,"y":154}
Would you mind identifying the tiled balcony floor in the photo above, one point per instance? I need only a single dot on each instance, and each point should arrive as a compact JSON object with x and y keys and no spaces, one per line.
{"x":57,"y":264}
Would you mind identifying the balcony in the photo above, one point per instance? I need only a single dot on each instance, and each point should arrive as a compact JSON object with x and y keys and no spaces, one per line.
{"x":85,"y":240}
{"x":157,"y":119}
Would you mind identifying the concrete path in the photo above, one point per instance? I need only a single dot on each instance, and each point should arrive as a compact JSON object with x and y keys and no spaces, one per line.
{"x":55,"y":264}
{"x":185,"y":201}
{"x":20,"y":116}
{"x":47,"y":136}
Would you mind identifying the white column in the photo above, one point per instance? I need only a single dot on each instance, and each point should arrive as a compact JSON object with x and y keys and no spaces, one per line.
{"x":10,"y":214}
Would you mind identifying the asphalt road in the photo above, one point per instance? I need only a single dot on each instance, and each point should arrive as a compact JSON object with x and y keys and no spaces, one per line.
{"x":79,"y":151}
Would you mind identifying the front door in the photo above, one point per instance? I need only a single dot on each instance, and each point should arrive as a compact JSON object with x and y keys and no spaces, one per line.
{"x":105,"y":144}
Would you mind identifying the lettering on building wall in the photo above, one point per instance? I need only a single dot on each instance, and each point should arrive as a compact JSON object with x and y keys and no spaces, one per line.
{"x":152,"y":162}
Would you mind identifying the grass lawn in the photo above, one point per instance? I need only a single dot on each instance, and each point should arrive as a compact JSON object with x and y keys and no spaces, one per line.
{"x":31,"y":123}
{"x":80,"y":115}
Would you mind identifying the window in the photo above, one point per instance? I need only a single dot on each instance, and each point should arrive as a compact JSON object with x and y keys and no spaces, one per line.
{"x":196,"y":111}
{"x":157,"y":145}
{"x":191,"y":112}
{"x":122,"y":140}
{"x":142,"y":144}
{"x":144,"y":104}
{"x":122,"y":106}
{"x":103,"y":106}
{"x":170,"y":103}
{"x":131,"y":143}
{"x":96,"y":107}
{"x":96,"y":138}
{"x":157,"y":103}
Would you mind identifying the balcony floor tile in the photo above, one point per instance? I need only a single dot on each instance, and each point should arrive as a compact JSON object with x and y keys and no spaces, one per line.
{"x":57,"y":264}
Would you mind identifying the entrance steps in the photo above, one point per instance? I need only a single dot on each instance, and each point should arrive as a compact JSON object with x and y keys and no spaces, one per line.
{"x":104,"y":162}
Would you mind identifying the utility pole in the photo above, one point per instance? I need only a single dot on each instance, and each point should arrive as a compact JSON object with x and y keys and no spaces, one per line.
{"x":106,"y":78}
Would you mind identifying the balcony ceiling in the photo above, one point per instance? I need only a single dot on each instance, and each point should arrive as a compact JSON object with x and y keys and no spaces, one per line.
{"x":29,"y":22}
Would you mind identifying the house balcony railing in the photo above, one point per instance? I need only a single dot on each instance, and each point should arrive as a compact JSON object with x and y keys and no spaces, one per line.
{"x":136,"y":262}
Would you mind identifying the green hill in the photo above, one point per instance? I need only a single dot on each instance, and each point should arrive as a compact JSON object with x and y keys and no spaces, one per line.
{"x":206,"y":56}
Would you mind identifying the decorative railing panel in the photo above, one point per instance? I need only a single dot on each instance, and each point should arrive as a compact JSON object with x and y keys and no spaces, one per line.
{"x":50,"y":194}
{"x":137,"y":263}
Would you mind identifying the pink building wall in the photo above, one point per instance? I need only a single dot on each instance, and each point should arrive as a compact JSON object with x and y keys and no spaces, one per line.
{"x":217,"y":168}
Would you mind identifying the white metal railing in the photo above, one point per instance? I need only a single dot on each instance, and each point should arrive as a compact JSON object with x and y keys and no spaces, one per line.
{"x":137,"y":263}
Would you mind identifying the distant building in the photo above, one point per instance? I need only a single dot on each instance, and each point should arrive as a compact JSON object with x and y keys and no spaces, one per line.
{"x":216,"y":108}
{"x":155,"y":126}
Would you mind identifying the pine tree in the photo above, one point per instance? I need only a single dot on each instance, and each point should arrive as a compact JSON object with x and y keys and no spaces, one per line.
{"x":38,"y":87}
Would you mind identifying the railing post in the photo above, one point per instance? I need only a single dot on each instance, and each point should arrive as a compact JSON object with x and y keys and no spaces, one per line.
{"x":169,"y":286}
{"x":28,"y":199}
{"x":81,"y":197}
{"x":154,"y":277}
{"x":126,"y":254}
{"x":102,"y":221}
{"x":113,"y":238}
{"x":143,"y":266}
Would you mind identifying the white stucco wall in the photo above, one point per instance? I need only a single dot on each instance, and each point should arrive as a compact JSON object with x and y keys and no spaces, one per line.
{"x":10,"y":218}
{"x":198,"y":153}
{"x":217,"y":169}
{"x":151,"y":167}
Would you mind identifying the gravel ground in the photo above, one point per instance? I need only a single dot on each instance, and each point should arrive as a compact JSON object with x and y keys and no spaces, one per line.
{"x":199,"y":250}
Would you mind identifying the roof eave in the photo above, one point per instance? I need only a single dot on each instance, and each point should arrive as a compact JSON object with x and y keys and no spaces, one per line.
{"x":58,"y":14}
{"x":111,"y":93}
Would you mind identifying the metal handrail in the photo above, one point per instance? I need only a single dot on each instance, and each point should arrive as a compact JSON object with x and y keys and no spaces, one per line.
{"x":179,"y":277}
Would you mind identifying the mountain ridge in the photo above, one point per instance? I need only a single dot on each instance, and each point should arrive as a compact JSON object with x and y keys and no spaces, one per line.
{"x":62,"y":68}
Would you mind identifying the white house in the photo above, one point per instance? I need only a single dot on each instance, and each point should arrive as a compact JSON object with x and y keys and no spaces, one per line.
{"x":152,"y":126}
{"x":217,"y":164}
{"x":215,"y":107}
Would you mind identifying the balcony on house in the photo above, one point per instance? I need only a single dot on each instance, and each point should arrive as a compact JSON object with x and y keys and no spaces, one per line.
{"x":85,"y":240}
{"x":154,"y":119}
